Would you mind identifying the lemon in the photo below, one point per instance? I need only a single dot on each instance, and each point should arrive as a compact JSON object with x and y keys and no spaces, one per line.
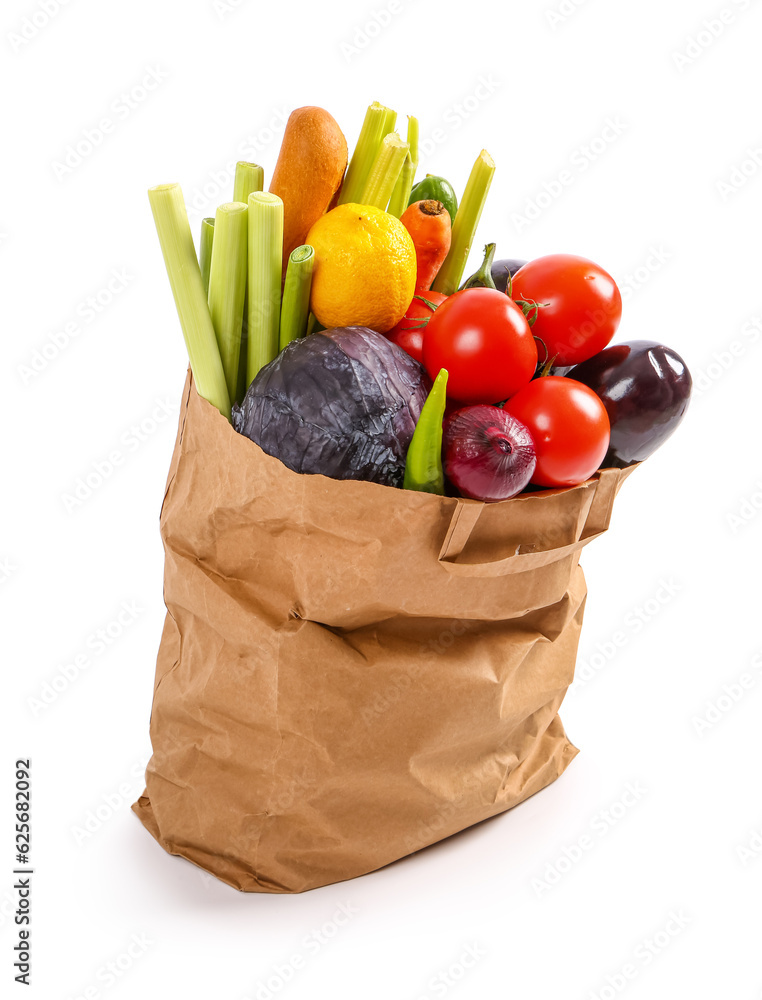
{"x":365,"y":268}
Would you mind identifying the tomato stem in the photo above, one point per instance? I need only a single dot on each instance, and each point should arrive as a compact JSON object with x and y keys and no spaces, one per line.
{"x":539,"y":340}
{"x":531,"y":309}
{"x":432,"y":305}
{"x":416,"y":323}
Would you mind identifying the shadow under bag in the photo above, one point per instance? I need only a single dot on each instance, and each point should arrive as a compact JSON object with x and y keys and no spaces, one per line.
{"x":350,"y":672}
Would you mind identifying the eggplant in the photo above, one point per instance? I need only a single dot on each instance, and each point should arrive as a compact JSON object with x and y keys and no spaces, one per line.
{"x":502,"y":269}
{"x":645,"y":388}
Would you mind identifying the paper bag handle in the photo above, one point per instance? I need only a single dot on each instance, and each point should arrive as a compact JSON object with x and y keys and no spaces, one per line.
{"x":466,"y":516}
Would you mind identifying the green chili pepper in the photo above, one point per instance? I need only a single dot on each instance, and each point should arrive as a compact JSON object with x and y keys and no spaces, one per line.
{"x":423,"y":468}
{"x":483,"y":277}
{"x":436,"y":189}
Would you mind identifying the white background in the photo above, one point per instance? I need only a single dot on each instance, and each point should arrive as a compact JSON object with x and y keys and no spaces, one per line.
{"x":689,"y":517}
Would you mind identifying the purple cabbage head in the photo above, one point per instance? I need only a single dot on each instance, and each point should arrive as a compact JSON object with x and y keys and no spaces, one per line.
{"x":343,"y":403}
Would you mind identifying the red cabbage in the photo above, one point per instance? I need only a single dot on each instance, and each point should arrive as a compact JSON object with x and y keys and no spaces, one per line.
{"x":343,"y":403}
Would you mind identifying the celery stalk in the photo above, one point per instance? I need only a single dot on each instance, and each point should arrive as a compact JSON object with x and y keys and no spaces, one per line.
{"x":265,"y":266}
{"x":227,"y":286}
{"x":386,"y":168}
{"x":412,"y":138}
{"x":390,"y":120}
{"x":403,"y":187}
{"x":171,"y":219}
{"x":296,"y":295}
{"x":374,"y":128}
{"x":205,"y":250}
{"x":249,"y":177}
{"x":464,"y":227}
{"x":243,"y":357}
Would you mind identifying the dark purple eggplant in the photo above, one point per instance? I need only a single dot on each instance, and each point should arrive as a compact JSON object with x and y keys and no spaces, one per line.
{"x":343,"y":403}
{"x":502,"y":269}
{"x":645,"y":388}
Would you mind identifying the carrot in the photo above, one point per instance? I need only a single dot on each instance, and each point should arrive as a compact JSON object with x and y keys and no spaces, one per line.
{"x":309,"y":171}
{"x":428,"y":223}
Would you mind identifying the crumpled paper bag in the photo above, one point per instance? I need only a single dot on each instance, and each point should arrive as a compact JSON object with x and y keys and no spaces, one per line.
{"x":350,"y":672}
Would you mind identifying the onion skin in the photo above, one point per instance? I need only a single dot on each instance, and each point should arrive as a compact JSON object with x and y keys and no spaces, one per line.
{"x":488,"y":454}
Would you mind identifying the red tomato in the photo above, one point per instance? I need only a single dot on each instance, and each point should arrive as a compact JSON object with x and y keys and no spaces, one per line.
{"x":483,"y":340}
{"x":569,"y":427}
{"x":580,"y":305}
{"x":408,"y":333}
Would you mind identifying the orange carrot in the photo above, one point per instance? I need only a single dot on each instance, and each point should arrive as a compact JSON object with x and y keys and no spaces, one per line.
{"x":428,"y":223}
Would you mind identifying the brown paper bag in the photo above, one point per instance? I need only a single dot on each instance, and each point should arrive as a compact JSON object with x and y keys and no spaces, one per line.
{"x":350,"y":672}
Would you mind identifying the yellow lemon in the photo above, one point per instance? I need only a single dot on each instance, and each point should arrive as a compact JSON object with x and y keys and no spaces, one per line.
{"x":365,"y":268}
